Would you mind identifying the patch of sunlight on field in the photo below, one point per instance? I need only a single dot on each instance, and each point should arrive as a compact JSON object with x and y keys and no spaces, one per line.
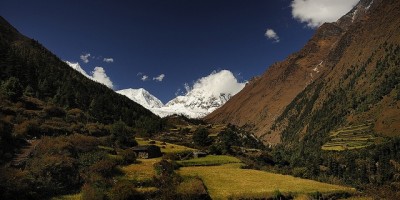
{"x":142,"y":171}
{"x":68,"y":197}
{"x":146,"y":190}
{"x":230,"y":181}
{"x":359,"y":198}
{"x":210,"y":160}
{"x":165,"y":146}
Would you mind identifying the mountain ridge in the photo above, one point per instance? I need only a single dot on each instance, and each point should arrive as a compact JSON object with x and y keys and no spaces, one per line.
{"x":142,"y":97}
{"x":258,"y":106}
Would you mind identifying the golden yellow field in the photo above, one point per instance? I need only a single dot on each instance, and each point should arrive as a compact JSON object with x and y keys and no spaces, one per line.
{"x":141,"y":171}
{"x":230,"y":181}
{"x":68,"y":197}
{"x":165,"y":148}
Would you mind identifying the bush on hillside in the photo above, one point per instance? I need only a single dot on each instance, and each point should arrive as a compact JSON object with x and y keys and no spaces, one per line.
{"x":122,"y":135}
{"x":200,"y":137}
{"x":124,"y":190}
{"x":90,"y":192}
{"x":54,"y":174}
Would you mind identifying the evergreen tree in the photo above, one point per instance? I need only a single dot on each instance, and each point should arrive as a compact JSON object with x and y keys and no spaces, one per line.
{"x":12,"y":88}
{"x":200,"y":137}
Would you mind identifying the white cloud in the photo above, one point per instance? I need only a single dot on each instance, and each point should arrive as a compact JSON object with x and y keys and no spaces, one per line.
{"x":215,"y":84}
{"x":271,"y":34}
{"x":159,"y":78}
{"x":98,"y":74}
{"x":85,"y":57}
{"x":108,"y":60}
{"x":144,"y":78}
{"x":317,"y":12}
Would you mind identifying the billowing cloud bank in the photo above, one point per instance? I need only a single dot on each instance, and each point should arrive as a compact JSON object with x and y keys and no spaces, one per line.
{"x":222,"y":82}
{"x":317,"y":12}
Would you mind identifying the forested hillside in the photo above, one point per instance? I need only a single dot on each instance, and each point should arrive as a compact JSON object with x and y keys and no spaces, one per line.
{"x":38,"y":73}
{"x":59,"y":129}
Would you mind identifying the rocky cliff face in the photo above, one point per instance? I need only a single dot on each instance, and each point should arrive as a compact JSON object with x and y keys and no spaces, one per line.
{"x":355,"y":40}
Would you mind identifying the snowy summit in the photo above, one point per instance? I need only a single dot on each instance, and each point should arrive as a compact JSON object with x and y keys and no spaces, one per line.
{"x":206,"y":95}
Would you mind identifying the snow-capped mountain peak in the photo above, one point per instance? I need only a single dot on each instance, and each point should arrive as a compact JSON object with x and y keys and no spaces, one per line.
{"x":206,"y":95}
{"x":142,"y":97}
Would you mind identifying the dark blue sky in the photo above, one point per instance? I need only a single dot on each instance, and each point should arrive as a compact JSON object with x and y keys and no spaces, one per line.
{"x":183,"y":39}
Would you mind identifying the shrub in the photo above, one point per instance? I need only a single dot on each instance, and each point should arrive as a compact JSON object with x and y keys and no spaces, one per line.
{"x":55,"y":146}
{"x":76,"y":115}
{"x":128,"y":156}
{"x":166,"y":179}
{"x":215,"y":149}
{"x":180,"y":155}
{"x":87,"y":159}
{"x":277,"y":195}
{"x":28,"y":127}
{"x":121,"y":135}
{"x":55,"y":127}
{"x":200,"y":137}
{"x":124,"y":190}
{"x":164,"y":168}
{"x":12,"y":88}
{"x":192,"y":188}
{"x":5,"y":130}
{"x":96,"y":129}
{"x":316,"y":195}
{"x":54,"y":174}
{"x":54,"y":111}
{"x":105,"y":167}
{"x":84,"y":143}
{"x":15,"y":184}
{"x":90,"y":192}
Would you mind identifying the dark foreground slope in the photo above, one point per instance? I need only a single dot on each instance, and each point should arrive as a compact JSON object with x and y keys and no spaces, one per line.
{"x":348,"y":70}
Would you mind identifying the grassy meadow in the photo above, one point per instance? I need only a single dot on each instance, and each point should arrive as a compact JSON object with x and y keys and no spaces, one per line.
{"x":165,"y":146}
{"x":210,"y":160}
{"x":230,"y":181}
{"x":142,"y":171}
{"x":68,"y":197}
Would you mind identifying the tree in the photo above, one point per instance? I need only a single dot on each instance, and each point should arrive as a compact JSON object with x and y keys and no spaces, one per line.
{"x":121,"y":135}
{"x":200,"y":137}
{"x":29,"y":91}
{"x":12,"y":88}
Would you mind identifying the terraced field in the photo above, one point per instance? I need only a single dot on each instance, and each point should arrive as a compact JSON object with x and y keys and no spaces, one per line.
{"x":351,"y":137}
{"x":229,"y":181}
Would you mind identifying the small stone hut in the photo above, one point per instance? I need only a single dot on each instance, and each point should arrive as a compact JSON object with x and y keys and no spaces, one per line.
{"x":199,"y":154}
{"x":147,"y":151}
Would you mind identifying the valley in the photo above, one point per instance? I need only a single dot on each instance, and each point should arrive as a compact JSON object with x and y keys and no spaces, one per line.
{"x":321,"y":124}
{"x":220,"y":177}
